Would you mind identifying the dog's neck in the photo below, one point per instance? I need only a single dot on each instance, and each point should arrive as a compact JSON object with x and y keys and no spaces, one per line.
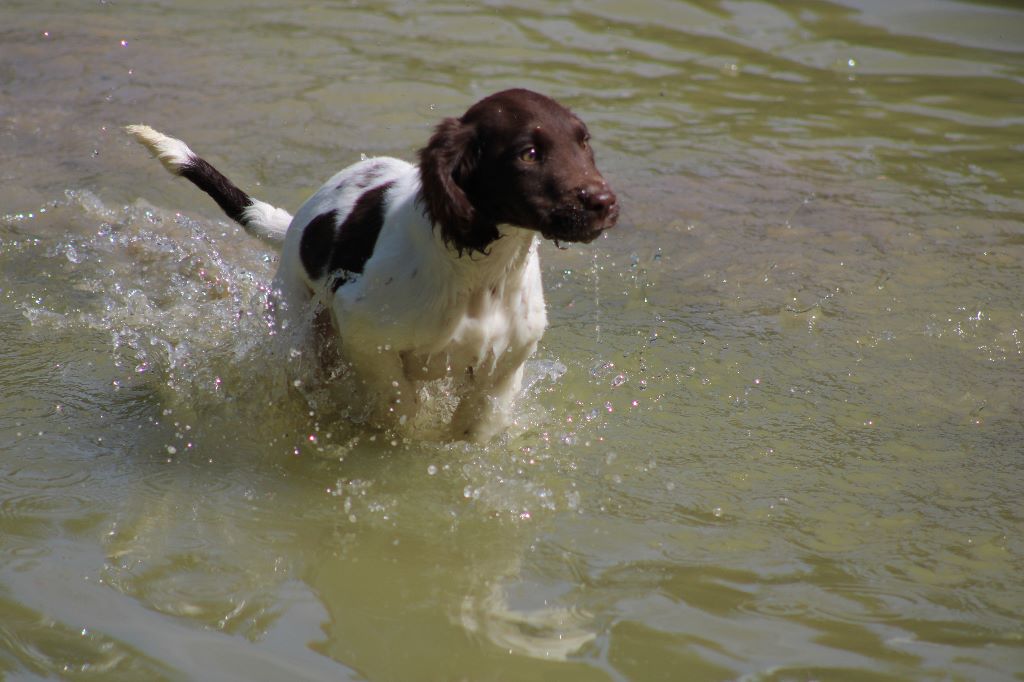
{"x":505,"y":259}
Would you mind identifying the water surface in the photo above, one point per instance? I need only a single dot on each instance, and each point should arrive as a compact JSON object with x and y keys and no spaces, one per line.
{"x":775,"y":431}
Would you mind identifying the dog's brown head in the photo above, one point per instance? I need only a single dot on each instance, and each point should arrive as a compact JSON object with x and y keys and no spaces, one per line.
{"x":516,"y":158}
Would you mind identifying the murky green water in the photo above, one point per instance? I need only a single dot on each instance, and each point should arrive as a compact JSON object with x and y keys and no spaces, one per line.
{"x":775,"y":432}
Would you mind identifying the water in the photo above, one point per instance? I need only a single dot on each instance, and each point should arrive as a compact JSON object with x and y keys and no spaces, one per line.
{"x":774,"y":432}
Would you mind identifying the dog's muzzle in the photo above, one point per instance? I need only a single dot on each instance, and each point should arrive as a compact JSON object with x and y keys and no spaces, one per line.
{"x":594,"y":210}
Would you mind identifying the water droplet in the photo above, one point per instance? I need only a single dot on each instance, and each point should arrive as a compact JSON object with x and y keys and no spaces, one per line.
{"x":432,"y":469}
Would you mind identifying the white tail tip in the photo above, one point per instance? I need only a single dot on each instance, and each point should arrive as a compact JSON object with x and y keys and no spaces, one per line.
{"x":173,"y":154}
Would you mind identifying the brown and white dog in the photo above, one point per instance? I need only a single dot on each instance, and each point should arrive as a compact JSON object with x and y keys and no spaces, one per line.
{"x":431,"y":271}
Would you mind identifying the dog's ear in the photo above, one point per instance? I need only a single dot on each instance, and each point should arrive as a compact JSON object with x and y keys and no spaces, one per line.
{"x":446,"y":163}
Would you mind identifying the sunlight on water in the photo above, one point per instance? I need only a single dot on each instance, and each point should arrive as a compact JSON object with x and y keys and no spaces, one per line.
{"x":773,"y":432}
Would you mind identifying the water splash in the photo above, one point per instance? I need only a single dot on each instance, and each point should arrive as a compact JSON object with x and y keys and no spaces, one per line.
{"x":188,"y":309}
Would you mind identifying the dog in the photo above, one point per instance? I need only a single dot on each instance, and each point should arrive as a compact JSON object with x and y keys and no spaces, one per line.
{"x":430,"y":271}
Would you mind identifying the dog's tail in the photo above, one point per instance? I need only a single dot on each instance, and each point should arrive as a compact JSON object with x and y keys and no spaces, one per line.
{"x":258,"y":218}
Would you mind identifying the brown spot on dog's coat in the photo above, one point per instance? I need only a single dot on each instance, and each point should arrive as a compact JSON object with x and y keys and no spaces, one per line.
{"x":329,"y":248}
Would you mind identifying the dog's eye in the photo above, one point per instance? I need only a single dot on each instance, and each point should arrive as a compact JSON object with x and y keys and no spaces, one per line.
{"x":585,"y":142}
{"x":529,"y":155}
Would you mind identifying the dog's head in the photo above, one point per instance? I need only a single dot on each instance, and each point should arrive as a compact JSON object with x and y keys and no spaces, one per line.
{"x":516,"y":158}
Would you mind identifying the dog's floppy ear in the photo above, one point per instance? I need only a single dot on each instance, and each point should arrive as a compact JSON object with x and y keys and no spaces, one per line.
{"x":446,"y":163}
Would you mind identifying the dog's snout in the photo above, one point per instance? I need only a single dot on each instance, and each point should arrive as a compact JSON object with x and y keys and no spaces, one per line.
{"x":598,"y":198}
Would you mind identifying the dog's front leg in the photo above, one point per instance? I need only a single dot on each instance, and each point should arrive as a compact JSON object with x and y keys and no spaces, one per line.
{"x":391,"y":394}
{"x":486,"y":403}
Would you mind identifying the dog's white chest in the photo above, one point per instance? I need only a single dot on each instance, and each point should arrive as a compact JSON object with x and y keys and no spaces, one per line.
{"x":495,"y":322}
{"x":487,"y":326}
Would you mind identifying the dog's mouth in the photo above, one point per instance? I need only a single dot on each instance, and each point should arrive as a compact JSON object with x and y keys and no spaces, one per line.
{"x":575,"y":224}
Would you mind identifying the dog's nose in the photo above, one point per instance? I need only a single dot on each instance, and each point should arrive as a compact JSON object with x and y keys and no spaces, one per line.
{"x":598,"y":198}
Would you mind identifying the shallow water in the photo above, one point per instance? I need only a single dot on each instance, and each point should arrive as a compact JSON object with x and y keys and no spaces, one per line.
{"x":775,"y":430}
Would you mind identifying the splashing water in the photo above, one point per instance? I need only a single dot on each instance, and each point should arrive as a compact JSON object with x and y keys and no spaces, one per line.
{"x":189,"y":312}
